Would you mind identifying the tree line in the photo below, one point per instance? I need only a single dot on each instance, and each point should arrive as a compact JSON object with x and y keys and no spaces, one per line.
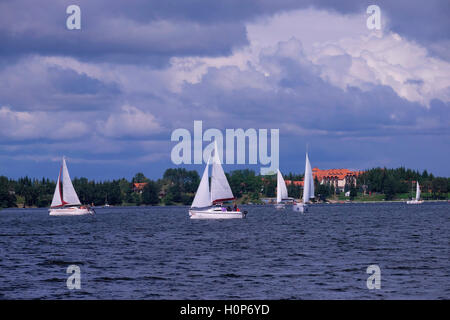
{"x":391,"y":182}
{"x":178,"y":186}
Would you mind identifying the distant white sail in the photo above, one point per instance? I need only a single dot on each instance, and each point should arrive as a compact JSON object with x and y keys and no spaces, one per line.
{"x":202,"y":196}
{"x":308,"y":182}
{"x":418,"y":192}
{"x":69,"y":195}
{"x":57,"y":196}
{"x":220,"y":189}
{"x":311,"y":180}
{"x":281,"y":188}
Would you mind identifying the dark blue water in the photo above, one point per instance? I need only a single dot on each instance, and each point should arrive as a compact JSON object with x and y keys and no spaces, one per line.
{"x":158,"y":253}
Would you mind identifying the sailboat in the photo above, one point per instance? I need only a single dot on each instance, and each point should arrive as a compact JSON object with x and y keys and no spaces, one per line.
{"x":208,"y":202}
{"x":417,"y":199}
{"x":65,"y":200}
{"x":106,"y":202}
{"x":308,"y":188}
{"x":282,"y":194}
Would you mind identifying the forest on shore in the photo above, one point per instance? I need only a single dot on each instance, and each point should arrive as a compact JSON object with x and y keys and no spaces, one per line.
{"x":178,"y":187}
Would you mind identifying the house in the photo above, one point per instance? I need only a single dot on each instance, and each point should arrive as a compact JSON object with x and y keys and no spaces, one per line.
{"x":339,"y":178}
{"x":138,"y":187}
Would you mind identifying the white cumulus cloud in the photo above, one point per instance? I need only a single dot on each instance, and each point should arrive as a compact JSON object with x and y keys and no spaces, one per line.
{"x":129,"y":122}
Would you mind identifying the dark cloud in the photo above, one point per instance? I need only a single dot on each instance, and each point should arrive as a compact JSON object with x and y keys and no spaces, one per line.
{"x":33,"y":85}
{"x":112,"y":32}
{"x":153,"y":31}
{"x":70,"y":82}
{"x":346,"y":127}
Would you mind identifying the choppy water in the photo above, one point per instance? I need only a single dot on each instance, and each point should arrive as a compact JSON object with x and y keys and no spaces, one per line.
{"x":158,"y":253}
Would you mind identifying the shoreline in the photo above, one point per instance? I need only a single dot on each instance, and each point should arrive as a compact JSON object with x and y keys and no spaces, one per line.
{"x":245,"y":204}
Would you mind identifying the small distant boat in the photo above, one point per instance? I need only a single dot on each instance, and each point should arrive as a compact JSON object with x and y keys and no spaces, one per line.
{"x":65,"y":200}
{"x":308,"y":188}
{"x":208,"y":203}
{"x":417,"y":199}
{"x":282,"y":194}
{"x":106,"y":202}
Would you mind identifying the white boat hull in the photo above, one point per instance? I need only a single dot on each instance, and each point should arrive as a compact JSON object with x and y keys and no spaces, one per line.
{"x":280,"y":206}
{"x":70,"y":211}
{"x":414,"y":202}
{"x":300,"y":207}
{"x":216,"y":213}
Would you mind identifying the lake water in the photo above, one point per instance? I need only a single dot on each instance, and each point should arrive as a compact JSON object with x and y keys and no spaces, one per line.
{"x":159,"y":253}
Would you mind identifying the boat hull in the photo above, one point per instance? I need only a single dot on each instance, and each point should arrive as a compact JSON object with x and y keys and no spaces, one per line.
{"x":300,"y":207}
{"x":414,"y":202}
{"x":280,"y":206}
{"x":70,"y":211}
{"x":216,"y":214}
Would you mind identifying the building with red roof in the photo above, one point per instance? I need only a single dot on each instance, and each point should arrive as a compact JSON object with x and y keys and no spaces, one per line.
{"x":336,"y":177}
{"x":139,"y":186}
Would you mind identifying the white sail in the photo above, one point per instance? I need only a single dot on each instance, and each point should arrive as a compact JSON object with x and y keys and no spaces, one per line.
{"x":57,"y":196}
{"x":220,"y":189}
{"x":311,"y":179}
{"x":418,"y":192}
{"x":281,"y":188}
{"x":308,"y":182}
{"x":202,"y":196}
{"x":69,"y":195}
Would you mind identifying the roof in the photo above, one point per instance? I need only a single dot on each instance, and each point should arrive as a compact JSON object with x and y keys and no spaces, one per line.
{"x":294,"y":182}
{"x":139,"y":185}
{"x":340,"y":174}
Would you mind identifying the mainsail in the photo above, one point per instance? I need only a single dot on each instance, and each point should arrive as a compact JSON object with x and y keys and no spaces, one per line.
{"x":281,"y":188}
{"x":308,"y":182}
{"x":418,"y":191}
{"x":65,"y":195}
{"x":220,"y":189}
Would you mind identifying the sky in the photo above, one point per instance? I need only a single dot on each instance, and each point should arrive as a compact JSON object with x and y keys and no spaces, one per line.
{"x":109,"y":96}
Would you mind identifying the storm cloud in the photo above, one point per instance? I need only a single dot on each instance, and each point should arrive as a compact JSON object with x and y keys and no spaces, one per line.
{"x":109,"y":95}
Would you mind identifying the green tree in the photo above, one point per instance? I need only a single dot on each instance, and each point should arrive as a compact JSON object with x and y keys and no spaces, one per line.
{"x":389,"y":188}
{"x":353,"y":192}
{"x":439,"y":187}
{"x":140,"y":178}
{"x":7,"y":197}
{"x":323,"y":192}
{"x":113,"y":193}
{"x":244,"y":181}
{"x":150,"y":193}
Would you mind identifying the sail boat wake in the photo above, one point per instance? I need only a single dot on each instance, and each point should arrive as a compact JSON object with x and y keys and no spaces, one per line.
{"x":308,"y":188}
{"x":65,"y":200}
{"x":208,"y":202}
